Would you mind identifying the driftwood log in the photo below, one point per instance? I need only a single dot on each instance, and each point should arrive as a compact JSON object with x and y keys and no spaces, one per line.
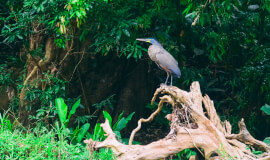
{"x":194,"y":124}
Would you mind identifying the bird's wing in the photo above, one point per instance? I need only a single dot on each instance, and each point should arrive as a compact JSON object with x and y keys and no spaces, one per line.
{"x":166,"y":60}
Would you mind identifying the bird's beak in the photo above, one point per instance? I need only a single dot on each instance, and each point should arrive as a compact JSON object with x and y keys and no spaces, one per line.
{"x":143,"y":39}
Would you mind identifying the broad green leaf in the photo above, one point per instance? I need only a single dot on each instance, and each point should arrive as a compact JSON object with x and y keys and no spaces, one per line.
{"x":130,"y":116}
{"x":61,"y":109}
{"x":118,"y":134}
{"x":186,"y":11}
{"x":121,"y":124}
{"x":119,"y":117}
{"x":266,"y":109}
{"x":107,"y":116}
{"x":82,"y":132}
{"x":267,"y":141}
{"x":98,"y":132}
{"x":75,"y":132}
{"x":88,"y":135}
{"x":73,"y":109}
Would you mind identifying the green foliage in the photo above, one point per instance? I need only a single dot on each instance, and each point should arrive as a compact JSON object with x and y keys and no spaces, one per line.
{"x":185,"y":154}
{"x":224,"y":154}
{"x":76,"y":135}
{"x":5,"y":123}
{"x":160,"y":118}
{"x":104,"y":154}
{"x":257,"y":152}
{"x":18,"y":25}
{"x":267,"y":141}
{"x":82,"y":132}
{"x":98,"y":134}
{"x":120,"y":124}
{"x":253,"y":150}
{"x":107,"y":102}
{"x":42,"y":144}
{"x":39,"y":143}
{"x":5,"y":75}
{"x":266,"y":109}
{"x":62,"y":110}
{"x":108,"y":117}
{"x":229,"y":54}
{"x":55,"y":88}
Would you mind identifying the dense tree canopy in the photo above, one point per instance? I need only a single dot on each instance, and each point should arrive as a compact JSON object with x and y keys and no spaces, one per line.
{"x":50,"y":47}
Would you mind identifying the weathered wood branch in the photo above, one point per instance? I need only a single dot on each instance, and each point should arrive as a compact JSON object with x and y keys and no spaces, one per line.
{"x":191,"y":127}
{"x":245,"y":137}
{"x":151,"y":117}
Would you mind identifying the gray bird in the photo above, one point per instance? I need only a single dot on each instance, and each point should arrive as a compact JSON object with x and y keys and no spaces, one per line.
{"x":162,"y":58}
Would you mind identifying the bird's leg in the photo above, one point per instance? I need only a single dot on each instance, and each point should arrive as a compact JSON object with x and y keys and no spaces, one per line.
{"x":167,"y":78}
{"x":171,"y":79}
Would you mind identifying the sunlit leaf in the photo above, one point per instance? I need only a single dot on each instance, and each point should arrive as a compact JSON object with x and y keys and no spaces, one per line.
{"x":73,"y":109}
{"x":61,"y":109}
{"x":83,"y":131}
{"x":266,"y":109}
{"x":107,"y":116}
{"x":267,"y":141}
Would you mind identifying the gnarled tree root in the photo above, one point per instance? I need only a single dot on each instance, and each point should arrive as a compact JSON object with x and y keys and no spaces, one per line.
{"x":191,"y":127}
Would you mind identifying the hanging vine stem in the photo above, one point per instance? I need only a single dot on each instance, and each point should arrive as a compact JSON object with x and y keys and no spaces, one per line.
{"x":83,"y":92}
{"x":77,"y":66}
{"x":68,"y":51}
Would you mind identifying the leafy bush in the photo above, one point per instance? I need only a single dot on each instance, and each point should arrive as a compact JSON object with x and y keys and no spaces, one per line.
{"x":76,"y":135}
{"x":42,"y":143}
{"x":39,"y":143}
{"x":5,"y":75}
{"x":43,"y":98}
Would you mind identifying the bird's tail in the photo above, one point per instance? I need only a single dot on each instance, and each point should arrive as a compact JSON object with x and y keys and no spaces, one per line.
{"x":177,"y":72}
